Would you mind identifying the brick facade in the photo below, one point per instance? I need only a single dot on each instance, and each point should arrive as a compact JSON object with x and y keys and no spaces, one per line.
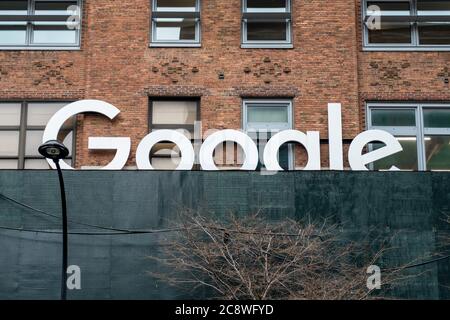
{"x":116,"y":64}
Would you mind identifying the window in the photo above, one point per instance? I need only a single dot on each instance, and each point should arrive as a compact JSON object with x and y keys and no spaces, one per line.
{"x":176,"y":23}
{"x":266,"y":24}
{"x":39,"y":24}
{"x":173,"y":114}
{"x":407,"y":24}
{"x":423,"y":130}
{"x":262,"y":120}
{"x":22,"y":126}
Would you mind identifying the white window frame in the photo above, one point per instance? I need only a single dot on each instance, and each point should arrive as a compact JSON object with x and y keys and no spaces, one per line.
{"x":173,"y":15}
{"x":413,"y":46}
{"x":267,"y":16}
{"x":29,"y":18}
{"x":419,"y":131}
{"x":269,"y":126}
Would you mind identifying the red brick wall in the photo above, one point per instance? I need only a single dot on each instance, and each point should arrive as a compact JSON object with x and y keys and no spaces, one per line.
{"x":115,"y":64}
{"x":123,"y":70}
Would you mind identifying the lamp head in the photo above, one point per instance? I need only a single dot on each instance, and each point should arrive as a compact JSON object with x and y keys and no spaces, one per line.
{"x":54,"y":150}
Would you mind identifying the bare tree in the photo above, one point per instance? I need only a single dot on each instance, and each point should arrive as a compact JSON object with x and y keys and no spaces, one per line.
{"x":253,"y":258}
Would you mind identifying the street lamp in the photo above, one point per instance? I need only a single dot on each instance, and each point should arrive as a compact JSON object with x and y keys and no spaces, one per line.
{"x":56,"y":151}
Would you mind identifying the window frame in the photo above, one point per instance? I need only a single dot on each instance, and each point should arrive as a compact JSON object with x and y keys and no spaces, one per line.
{"x":413,"y":46}
{"x":246,"y":126}
{"x":30,"y":17}
{"x":188,"y":127}
{"x":175,"y":14}
{"x":267,"y":16}
{"x":419,"y":131}
{"x":23,"y":128}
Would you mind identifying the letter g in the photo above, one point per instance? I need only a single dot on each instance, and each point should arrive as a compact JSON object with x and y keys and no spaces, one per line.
{"x":122,"y":145}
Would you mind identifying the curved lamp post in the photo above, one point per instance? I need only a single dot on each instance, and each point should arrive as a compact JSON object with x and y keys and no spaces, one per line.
{"x":56,"y":151}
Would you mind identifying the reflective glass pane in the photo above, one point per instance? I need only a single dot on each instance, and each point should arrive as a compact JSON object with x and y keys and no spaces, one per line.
{"x":66,"y":136}
{"x":267,"y":114}
{"x":53,"y":33}
{"x":165,"y":156}
{"x":54,"y":7}
{"x":176,"y":5}
{"x":9,"y":143}
{"x":391,"y":33}
{"x":14,"y":7}
{"x":13,"y":33}
{"x":434,"y":33}
{"x":9,"y":164}
{"x":394,"y":117}
{"x":437,"y":151}
{"x":175,"y":29}
{"x":267,"y":6}
{"x":10,"y":114}
{"x":393,"y":8}
{"x":404,"y":160}
{"x":266,"y":31}
{"x":436,"y":118}
{"x":174,"y":112}
{"x":433,"y":7}
{"x":40,"y":113}
{"x":34,"y":140}
{"x":37,"y":164}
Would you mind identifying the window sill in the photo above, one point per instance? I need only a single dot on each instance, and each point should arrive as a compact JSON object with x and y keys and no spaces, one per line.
{"x":420,"y":49}
{"x":267,"y":46}
{"x":174,"y":45}
{"x":40,"y":48}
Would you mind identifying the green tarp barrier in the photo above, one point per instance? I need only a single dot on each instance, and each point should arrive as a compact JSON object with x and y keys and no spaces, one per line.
{"x":411,"y":207}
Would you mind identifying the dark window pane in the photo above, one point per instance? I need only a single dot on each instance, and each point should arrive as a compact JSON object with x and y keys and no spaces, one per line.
{"x":266,"y":31}
{"x":436,"y":118}
{"x":13,"y":7}
{"x":175,"y":29}
{"x":267,"y":6}
{"x":438,"y":34}
{"x":53,"y":8}
{"x":261,"y":138}
{"x":53,"y":34}
{"x":437,"y":149}
{"x":12,"y":34}
{"x":391,"y":33}
{"x":391,"y":8}
{"x":430,"y":7}
{"x":404,"y":160}
{"x":175,"y":5}
{"x":394,"y":118}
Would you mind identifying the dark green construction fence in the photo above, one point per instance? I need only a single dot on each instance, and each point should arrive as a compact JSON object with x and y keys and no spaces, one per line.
{"x":410,"y":207}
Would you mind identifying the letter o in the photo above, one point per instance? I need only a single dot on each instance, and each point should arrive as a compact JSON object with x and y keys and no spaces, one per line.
{"x":146,"y":145}
{"x":246,"y":143}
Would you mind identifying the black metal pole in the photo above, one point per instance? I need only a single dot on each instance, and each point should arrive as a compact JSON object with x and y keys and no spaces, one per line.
{"x":64,"y":233}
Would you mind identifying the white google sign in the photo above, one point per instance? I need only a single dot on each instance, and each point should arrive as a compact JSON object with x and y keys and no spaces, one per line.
{"x":310,"y":140}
